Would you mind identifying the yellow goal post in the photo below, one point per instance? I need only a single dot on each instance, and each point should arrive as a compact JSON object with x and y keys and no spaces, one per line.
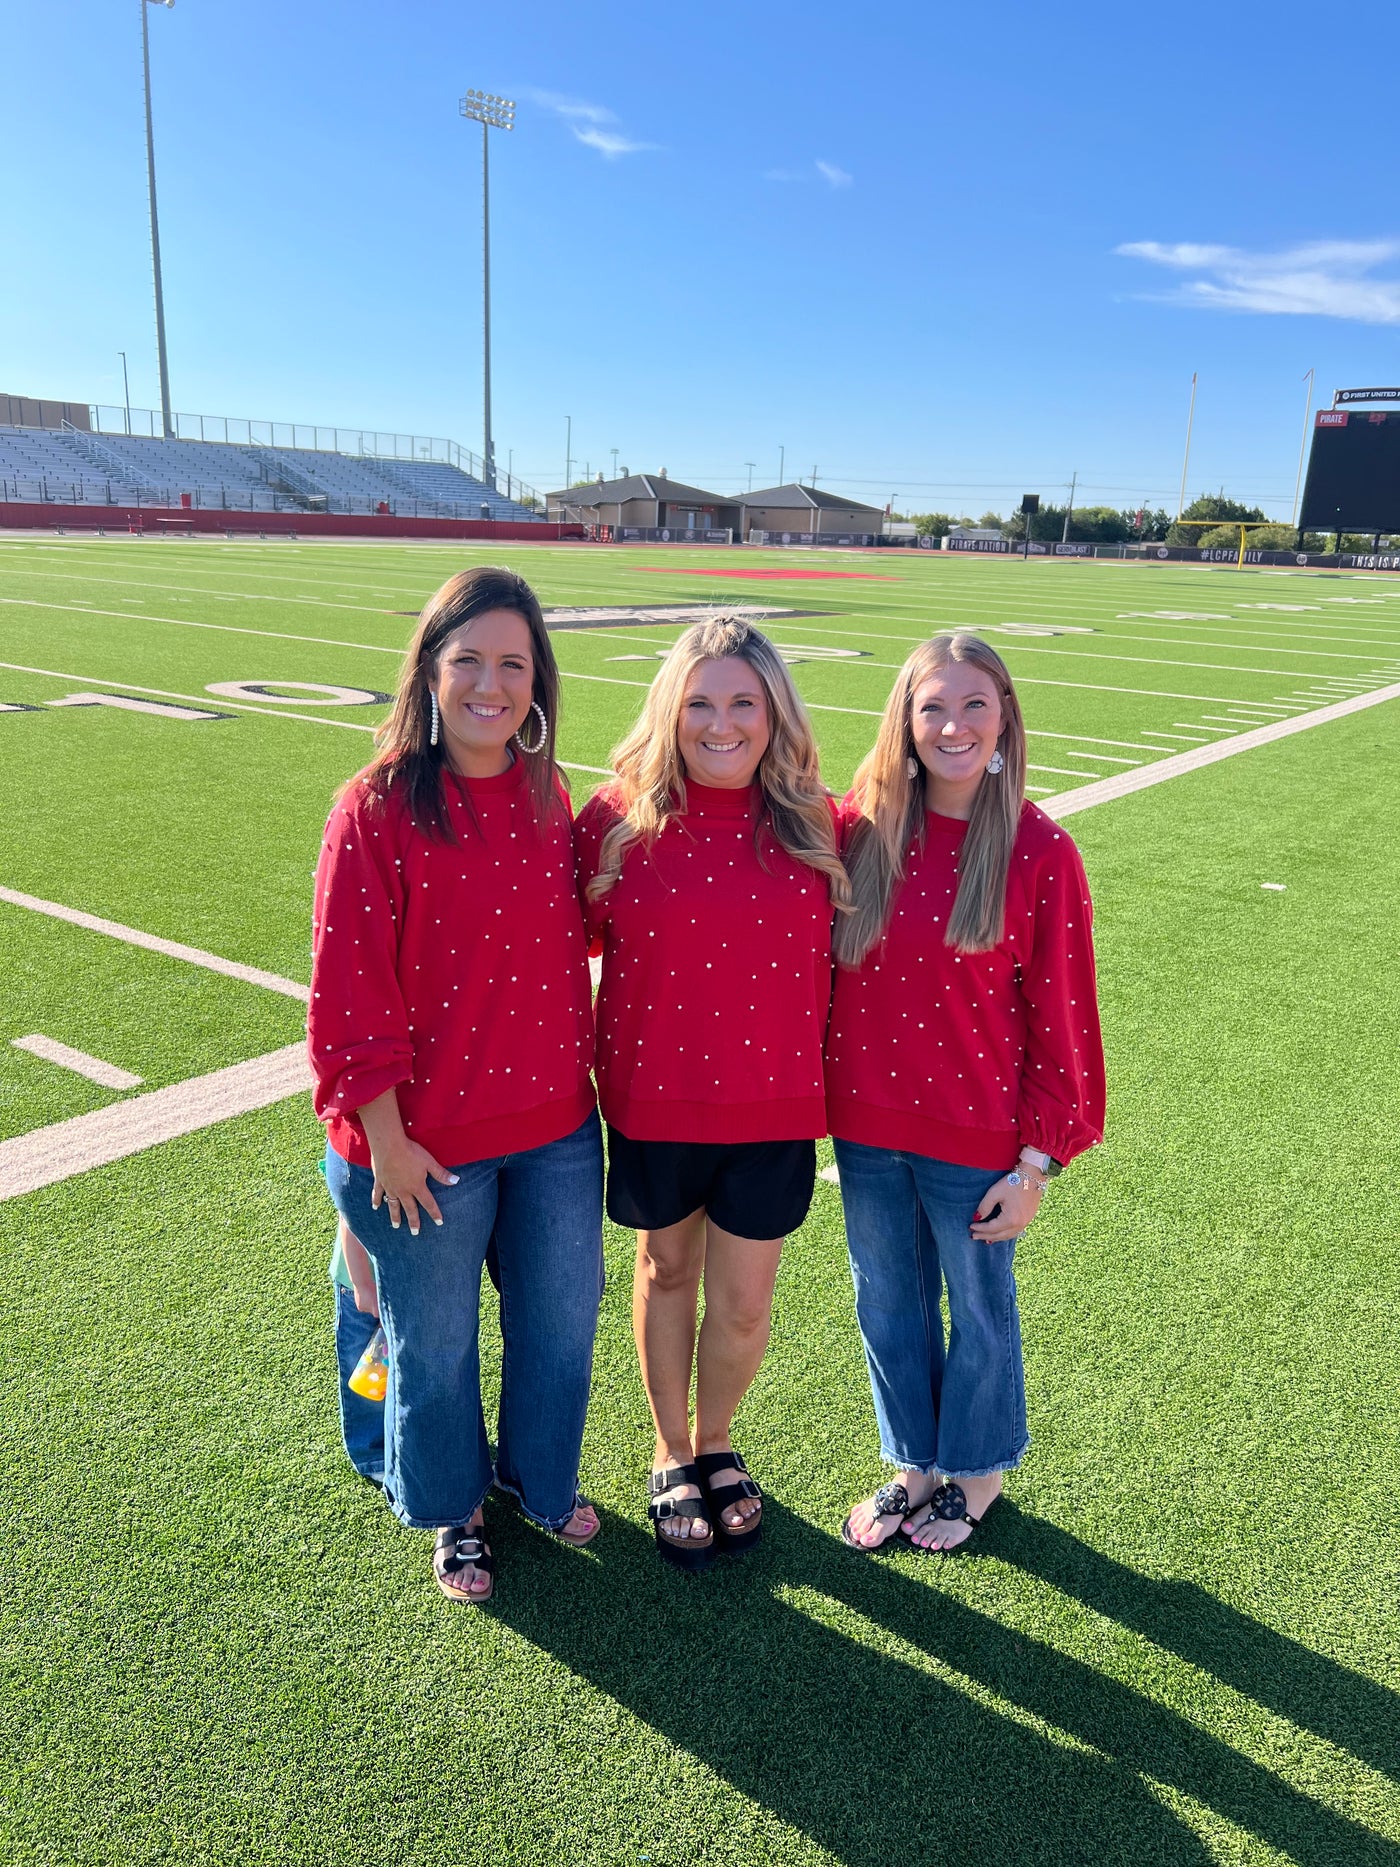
{"x":1244,"y":526}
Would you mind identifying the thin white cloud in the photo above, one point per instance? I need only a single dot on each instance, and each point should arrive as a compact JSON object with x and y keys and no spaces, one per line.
{"x":833,"y":176}
{"x":783,"y":175}
{"x":609,"y":143}
{"x":572,"y":109}
{"x":1321,"y":279}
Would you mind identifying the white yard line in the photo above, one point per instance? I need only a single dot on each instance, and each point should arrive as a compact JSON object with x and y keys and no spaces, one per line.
{"x":1123,"y":784}
{"x":63,"y":1149}
{"x":1200,"y":737}
{"x":78,"y":1061}
{"x":153,"y":943}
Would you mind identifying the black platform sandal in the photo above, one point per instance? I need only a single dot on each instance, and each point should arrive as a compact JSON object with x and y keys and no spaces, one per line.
{"x":720,"y":1497}
{"x":458,"y":1547}
{"x":685,"y":1552}
{"x":949,"y":1502}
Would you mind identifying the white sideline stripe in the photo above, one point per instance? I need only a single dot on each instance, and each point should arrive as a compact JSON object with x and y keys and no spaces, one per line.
{"x":94,"y":1140}
{"x":172,"y":949}
{"x":271,"y":713}
{"x":1123,"y":784}
{"x":78,"y":1061}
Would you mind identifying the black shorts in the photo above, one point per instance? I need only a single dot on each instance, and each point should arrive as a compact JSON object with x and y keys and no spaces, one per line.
{"x":754,"y":1189}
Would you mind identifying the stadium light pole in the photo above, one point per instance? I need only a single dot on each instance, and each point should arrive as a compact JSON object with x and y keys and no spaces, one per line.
{"x":167,"y":425}
{"x":614,"y":451}
{"x":782,"y":460}
{"x":750,"y":464}
{"x":492,"y":113}
{"x":1186,"y":462}
{"x":126,"y":390}
{"x":1069,"y":509}
{"x":1303,"y":445}
{"x":568,"y":449}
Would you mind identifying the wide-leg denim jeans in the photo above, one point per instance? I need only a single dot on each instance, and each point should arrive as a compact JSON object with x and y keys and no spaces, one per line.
{"x":545,"y":1208}
{"x":958,"y":1408}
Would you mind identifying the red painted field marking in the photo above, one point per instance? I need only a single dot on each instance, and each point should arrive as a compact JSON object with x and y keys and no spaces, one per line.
{"x":783,"y":576}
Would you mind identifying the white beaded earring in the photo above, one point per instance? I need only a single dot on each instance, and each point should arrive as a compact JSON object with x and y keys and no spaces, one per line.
{"x":433,"y":728}
{"x":995,"y":763}
{"x":538,"y":746}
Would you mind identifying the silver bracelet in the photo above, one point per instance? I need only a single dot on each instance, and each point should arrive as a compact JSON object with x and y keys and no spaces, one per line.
{"x":1019,"y":1178}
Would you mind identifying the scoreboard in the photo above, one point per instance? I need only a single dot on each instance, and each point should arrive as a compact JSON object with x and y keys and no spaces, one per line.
{"x":1353,"y":480}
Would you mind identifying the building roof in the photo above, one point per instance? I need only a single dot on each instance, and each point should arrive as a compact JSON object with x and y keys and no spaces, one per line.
{"x":806,"y":499}
{"x":638,"y":486}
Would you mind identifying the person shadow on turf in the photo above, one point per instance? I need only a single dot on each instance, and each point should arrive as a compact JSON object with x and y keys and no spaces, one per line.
{"x":949,"y":1734}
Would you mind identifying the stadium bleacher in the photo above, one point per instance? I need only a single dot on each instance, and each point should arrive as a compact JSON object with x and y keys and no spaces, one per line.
{"x":74,"y":466}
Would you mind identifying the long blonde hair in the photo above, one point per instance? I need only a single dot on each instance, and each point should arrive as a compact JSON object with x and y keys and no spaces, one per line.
{"x":891,"y":805}
{"x":651,"y":773}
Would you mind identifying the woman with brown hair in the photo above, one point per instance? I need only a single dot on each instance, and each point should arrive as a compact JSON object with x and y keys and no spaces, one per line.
{"x":451,"y":1037}
{"x":709,"y":871}
{"x":963,"y":1068}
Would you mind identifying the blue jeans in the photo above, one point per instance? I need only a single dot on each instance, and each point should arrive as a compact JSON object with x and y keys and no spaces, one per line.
{"x":361,"y":1421}
{"x":545,"y":1209}
{"x":959,"y":1409}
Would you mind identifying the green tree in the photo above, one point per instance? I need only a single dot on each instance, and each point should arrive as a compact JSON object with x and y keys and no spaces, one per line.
{"x":1210,"y":506}
{"x":932,"y":524}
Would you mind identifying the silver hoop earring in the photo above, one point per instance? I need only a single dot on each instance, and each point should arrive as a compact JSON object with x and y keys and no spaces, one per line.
{"x":538,"y":746}
{"x":433,"y":728}
{"x":911,"y":768}
{"x":996,"y":763}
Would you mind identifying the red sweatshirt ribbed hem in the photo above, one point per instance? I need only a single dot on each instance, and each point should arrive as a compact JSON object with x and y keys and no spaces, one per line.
{"x":483,"y":1140}
{"x":904,"y":1133}
{"x":722,"y":1124}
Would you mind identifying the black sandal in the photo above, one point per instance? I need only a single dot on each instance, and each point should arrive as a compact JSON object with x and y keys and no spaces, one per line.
{"x":720,"y":1497}
{"x":949,"y":1502}
{"x":891,"y":1500}
{"x":685,"y":1552}
{"x":463,"y":1546}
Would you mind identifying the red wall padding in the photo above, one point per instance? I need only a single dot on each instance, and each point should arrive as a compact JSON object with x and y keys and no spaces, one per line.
{"x":14,"y":513}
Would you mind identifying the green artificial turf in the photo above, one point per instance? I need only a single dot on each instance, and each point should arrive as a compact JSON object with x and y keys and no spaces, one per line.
{"x":1177,"y":1643}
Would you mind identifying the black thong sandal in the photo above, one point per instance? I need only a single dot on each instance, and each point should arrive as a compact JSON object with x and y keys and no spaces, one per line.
{"x":721,"y":1497}
{"x":949,"y":1502}
{"x":686,"y":1552}
{"x":891,"y":1500}
{"x":458,"y":1547}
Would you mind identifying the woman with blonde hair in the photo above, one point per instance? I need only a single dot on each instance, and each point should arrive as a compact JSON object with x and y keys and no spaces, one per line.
{"x":963,"y":1069}
{"x":709,"y":871}
{"x":451,"y":1038}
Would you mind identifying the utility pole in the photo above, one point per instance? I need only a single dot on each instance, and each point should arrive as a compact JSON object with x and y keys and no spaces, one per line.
{"x":1186,"y":462}
{"x":750,"y":464}
{"x":1303,"y":445}
{"x":568,"y":450}
{"x":492,"y":113}
{"x":167,"y":424}
{"x":1069,"y":509}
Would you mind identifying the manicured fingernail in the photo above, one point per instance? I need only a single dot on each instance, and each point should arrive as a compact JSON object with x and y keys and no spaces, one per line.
{"x":437,"y":1221}
{"x":453,"y":1178}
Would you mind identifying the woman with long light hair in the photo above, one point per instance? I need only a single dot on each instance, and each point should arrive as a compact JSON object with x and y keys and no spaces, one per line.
{"x":451,"y":1038}
{"x":709,"y":873}
{"x":963,"y":1069}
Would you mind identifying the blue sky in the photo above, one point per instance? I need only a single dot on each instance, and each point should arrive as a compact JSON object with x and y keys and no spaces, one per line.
{"x":935,"y":259}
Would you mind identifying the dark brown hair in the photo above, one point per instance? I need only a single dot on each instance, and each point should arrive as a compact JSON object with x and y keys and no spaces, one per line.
{"x":405,"y":760}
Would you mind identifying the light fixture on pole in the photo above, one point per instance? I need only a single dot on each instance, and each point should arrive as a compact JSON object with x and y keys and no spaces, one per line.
{"x":492,"y":113}
{"x":126,"y":390}
{"x":167,"y":426}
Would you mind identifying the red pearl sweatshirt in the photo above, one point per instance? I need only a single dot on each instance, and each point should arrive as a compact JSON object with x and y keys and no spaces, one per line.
{"x":970,"y":1057}
{"x":456,"y":973}
{"x":716,"y":977}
